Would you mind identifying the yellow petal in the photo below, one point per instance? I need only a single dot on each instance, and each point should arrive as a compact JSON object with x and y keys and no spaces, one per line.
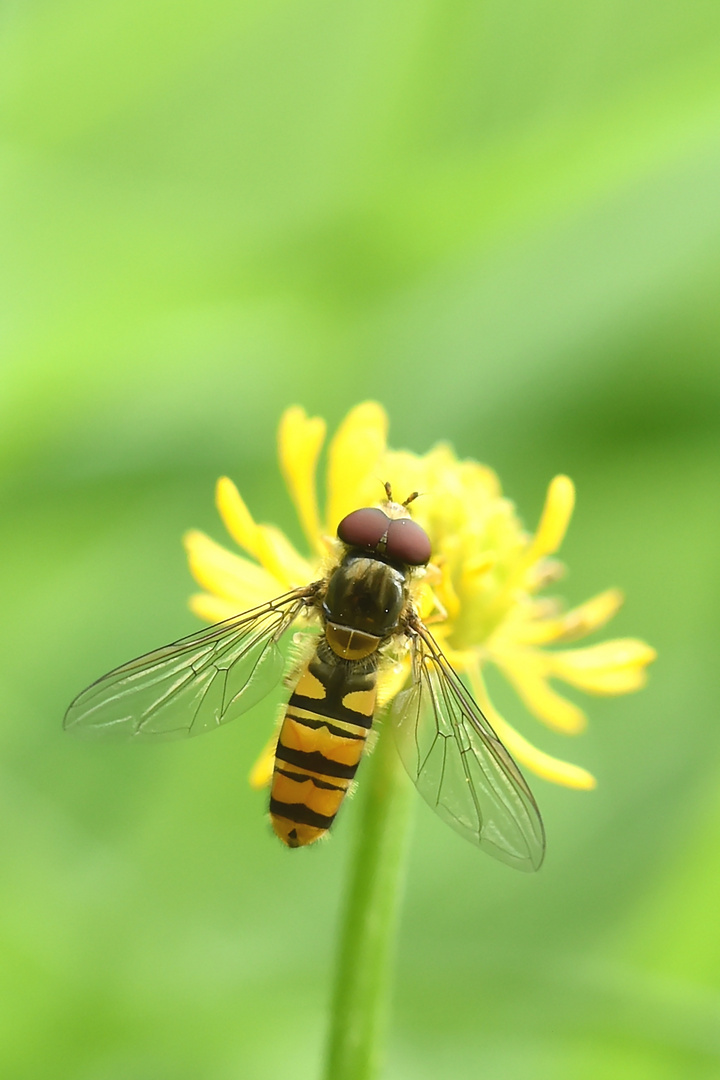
{"x":406,"y":474}
{"x":546,"y":571}
{"x":525,"y":673}
{"x":572,"y":624}
{"x":211,"y":608}
{"x":612,"y":667}
{"x":266,"y":543}
{"x":391,"y":681}
{"x":477,"y":567}
{"x":283,"y":561}
{"x":549,"y":768}
{"x":230,"y":577}
{"x":479,"y":481}
{"x":447,"y":595}
{"x":237,"y":518}
{"x":353,"y":475}
{"x":467,"y":480}
{"x":426,"y":600}
{"x":555,"y":518}
{"x":262,"y":771}
{"x":300,"y":440}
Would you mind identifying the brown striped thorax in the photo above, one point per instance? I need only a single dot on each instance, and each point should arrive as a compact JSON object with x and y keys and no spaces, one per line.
{"x":362,"y":609}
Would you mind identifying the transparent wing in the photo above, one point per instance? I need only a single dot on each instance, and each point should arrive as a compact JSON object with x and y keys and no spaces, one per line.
{"x":459,"y":765}
{"x":195,"y":684}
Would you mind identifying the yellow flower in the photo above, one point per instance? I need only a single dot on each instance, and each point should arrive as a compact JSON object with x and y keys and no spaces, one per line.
{"x":481,"y":589}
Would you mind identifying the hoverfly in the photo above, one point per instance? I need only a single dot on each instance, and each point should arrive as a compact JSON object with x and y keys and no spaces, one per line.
{"x":361,"y":609}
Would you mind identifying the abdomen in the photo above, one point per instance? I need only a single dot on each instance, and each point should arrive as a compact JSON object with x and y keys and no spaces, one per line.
{"x":322,"y":739}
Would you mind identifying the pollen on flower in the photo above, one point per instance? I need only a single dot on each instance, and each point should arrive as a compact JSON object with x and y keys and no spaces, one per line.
{"x":480,"y":594}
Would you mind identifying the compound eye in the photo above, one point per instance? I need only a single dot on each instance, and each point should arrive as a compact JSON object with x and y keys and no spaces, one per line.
{"x":364,"y":528}
{"x":407,"y":542}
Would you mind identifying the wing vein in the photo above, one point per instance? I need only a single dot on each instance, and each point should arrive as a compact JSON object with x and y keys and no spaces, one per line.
{"x":459,"y":765}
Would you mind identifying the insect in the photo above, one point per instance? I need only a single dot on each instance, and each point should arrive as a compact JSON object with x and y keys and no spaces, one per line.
{"x":362,"y":611}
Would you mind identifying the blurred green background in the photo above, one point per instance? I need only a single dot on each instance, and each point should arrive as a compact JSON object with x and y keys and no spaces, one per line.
{"x":503,"y":222}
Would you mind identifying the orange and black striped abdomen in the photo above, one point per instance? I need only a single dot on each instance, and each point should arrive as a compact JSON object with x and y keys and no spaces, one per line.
{"x":321,"y":742}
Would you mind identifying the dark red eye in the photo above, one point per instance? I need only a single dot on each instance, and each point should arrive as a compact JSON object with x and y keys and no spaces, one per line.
{"x":407,"y":542}
{"x":363,"y":528}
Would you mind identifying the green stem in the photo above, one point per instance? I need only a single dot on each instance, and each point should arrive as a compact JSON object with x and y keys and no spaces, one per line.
{"x":372,"y":904}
